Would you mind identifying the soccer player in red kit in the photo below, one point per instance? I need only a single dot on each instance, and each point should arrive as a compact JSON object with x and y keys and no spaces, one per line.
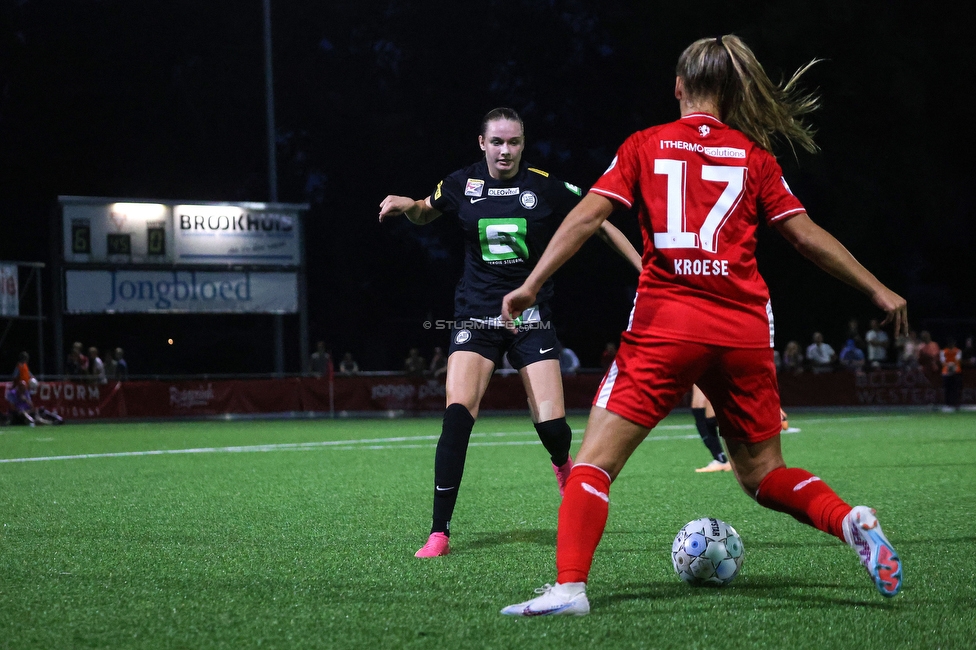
{"x":702,"y":185}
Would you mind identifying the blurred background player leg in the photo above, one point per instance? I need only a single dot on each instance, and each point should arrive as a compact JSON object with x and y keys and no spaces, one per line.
{"x":707,"y":426}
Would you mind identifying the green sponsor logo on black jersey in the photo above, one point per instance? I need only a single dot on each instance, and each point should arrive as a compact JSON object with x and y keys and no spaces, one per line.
{"x":503,"y":239}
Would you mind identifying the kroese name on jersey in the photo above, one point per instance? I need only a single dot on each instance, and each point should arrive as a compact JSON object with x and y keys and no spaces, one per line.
{"x":243,"y":222}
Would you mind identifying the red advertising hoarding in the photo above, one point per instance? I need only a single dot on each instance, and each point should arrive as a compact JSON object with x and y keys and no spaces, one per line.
{"x":386,"y":393}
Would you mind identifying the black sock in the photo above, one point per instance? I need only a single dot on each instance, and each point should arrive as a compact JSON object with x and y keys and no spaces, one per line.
{"x":556,"y":437}
{"x":718,"y":452}
{"x":708,"y":430}
{"x":452,"y":447}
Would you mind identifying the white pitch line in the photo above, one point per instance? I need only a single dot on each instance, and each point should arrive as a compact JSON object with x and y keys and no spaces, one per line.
{"x":344,"y":445}
{"x":366,"y":443}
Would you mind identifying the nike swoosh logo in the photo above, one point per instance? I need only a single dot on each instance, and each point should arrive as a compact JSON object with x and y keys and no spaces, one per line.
{"x":484,"y":198}
{"x":440,"y":489}
{"x":528,"y":611}
{"x":541,"y":351}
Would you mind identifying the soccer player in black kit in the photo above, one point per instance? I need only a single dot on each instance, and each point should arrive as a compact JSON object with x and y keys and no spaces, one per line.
{"x":508,"y":212}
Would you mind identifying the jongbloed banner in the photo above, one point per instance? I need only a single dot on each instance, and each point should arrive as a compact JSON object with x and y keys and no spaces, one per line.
{"x":98,"y":292}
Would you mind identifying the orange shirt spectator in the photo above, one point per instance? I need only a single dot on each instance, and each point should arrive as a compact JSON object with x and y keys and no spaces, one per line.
{"x":951,"y":358}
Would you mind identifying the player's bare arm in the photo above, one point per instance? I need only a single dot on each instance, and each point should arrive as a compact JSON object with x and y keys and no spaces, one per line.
{"x":619,"y":242}
{"x":578,"y":226}
{"x":823,"y":249}
{"x":418,"y":212}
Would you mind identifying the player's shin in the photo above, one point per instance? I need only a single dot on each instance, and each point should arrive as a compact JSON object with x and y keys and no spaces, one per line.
{"x":556,"y":437}
{"x":805,"y":497}
{"x":452,"y":447}
{"x":708,"y":430}
{"x":582,"y":519}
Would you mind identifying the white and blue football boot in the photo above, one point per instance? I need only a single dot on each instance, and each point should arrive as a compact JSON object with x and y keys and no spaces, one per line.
{"x":862,"y":532}
{"x":556,"y":600}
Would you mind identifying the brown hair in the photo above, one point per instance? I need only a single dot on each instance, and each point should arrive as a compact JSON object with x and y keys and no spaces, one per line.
{"x":501,"y":113}
{"x":726,"y":70}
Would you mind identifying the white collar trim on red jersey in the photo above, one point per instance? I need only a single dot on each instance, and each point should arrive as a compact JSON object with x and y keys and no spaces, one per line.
{"x":702,"y":115}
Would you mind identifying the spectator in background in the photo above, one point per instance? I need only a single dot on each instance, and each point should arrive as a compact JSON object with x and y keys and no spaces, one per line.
{"x":928,"y":353}
{"x":906,"y":347}
{"x":569,"y":363}
{"x":96,"y":369}
{"x":77,"y":363}
{"x":820,"y":355}
{"x":951,"y":359}
{"x":121,"y":367}
{"x":321,"y":361}
{"x":438,"y":363}
{"x":852,"y":357}
{"x":414,"y":365}
{"x":348,"y":365}
{"x":18,"y":395}
{"x":878,"y":344}
{"x":608,"y":355}
{"x":969,"y":353}
{"x":110,"y":366}
{"x":792,"y":360}
{"x":22,"y":373}
{"x":854,"y":332}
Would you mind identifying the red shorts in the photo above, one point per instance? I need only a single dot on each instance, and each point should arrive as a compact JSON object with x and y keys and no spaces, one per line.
{"x":650,"y":376}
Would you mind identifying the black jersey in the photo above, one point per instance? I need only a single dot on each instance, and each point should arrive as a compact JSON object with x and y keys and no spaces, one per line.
{"x":507,"y":225}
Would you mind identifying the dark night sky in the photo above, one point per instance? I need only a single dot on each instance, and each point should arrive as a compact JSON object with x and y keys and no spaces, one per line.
{"x":165,"y":100}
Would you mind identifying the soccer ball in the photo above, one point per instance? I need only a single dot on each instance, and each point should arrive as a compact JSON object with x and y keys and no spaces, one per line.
{"x":32,"y":385}
{"x":707,"y":551}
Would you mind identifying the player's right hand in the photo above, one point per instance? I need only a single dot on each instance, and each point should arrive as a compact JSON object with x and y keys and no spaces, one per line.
{"x":515,"y":302}
{"x":393,"y":205}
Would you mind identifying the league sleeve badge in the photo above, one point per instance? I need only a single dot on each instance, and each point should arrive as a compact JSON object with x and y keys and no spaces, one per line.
{"x":474,"y":187}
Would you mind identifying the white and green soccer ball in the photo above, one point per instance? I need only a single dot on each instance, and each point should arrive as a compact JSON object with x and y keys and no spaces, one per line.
{"x":707,"y":551}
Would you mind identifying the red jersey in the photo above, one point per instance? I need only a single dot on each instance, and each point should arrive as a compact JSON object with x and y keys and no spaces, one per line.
{"x":701,"y":188}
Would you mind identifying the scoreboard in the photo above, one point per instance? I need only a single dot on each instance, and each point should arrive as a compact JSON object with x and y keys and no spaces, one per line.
{"x":124,"y":255}
{"x":123,"y":232}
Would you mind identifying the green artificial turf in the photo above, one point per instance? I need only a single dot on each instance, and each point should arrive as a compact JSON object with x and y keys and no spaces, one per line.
{"x":301,"y":534}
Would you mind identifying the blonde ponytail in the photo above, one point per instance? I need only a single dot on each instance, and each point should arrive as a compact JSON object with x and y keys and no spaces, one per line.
{"x":726,"y":70}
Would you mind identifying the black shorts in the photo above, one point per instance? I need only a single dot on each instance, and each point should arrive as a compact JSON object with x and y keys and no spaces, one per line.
{"x":531,"y":342}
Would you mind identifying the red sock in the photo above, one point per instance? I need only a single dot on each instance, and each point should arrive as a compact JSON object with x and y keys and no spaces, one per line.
{"x":582,"y":518}
{"x":805,"y":497}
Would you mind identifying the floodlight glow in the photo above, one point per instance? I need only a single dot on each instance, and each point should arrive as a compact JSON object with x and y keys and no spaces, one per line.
{"x":209,"y":211}
{"x":145,"y":211}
